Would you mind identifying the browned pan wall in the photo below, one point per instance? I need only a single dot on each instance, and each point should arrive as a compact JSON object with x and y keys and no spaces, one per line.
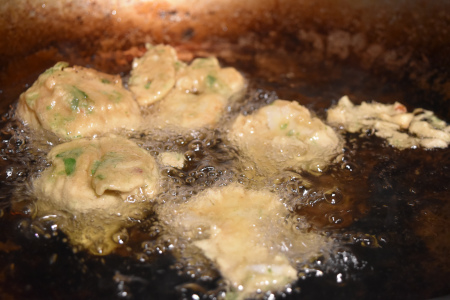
{"x":409,"y":39}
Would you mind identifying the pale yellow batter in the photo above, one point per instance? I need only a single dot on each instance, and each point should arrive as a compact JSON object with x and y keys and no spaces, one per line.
{"x":78,"y":102}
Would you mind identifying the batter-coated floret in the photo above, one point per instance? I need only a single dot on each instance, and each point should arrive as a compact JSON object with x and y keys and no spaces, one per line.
{"x":78,"y":102}
{"x":200,"y":96}
{"x":284,"y":135}
{"x":106,"y":181}
{"x":153,"y":75}
{"x":244,"y":232}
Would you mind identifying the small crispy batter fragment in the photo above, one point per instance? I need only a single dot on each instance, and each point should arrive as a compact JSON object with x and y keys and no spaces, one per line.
{"x":172,"y":159}
{"x":393,"y":123}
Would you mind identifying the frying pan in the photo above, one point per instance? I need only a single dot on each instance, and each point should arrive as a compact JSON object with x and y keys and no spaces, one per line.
{"x":310,"y":51}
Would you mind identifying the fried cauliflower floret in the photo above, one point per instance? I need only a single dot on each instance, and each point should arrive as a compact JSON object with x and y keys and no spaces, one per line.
{"x":190,"y":111}
{"x":153,"y":75}
{"x":106,"y":181}
{"x":204,"y":75}
{"x":244,"y":233}
{"x":200,"y":96}
{"x":284,"y":135}
{"x":78,"y":102}
{"x":392,"y":122}
{"x":172,"y":159}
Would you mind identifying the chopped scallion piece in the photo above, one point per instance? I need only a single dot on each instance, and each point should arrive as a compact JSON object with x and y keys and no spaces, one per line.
{"x":95,"y":167}
{"x":100,"y":176}
{"x":69,"y":165}
{"x":210,"y":80}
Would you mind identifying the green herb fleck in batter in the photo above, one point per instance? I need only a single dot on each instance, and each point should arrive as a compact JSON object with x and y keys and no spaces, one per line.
{"x":69,"y":165}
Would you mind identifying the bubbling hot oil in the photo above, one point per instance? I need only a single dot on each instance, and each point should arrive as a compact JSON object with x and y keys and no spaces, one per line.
{"x":209,"y":162}
{"x":329,"y":204}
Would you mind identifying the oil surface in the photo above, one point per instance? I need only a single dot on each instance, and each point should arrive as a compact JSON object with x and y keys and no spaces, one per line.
{"x":387,"y":210}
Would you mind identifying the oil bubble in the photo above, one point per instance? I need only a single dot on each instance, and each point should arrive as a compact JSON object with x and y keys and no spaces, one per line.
{"x":24,"y":224}
{"x":26,"y":208}
{"x":121,"y":237}
{"x":335,"y":219}
{"x":147,"y":245}
{"x":190,"y":180}
{"x":142,"y":257}
{"x":154,"y":153}
{"x":189,"y":155}
{"x":39,"y":229}
{"x":243,"y":180}
{"x":210,"y":143}
{"x":334,"y":196}
{"x":292,"y":186}
{"x":206,"y":168}
{"x":195,"y":145}
{"x":199,"y":175}
{"x":349,"y":166}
